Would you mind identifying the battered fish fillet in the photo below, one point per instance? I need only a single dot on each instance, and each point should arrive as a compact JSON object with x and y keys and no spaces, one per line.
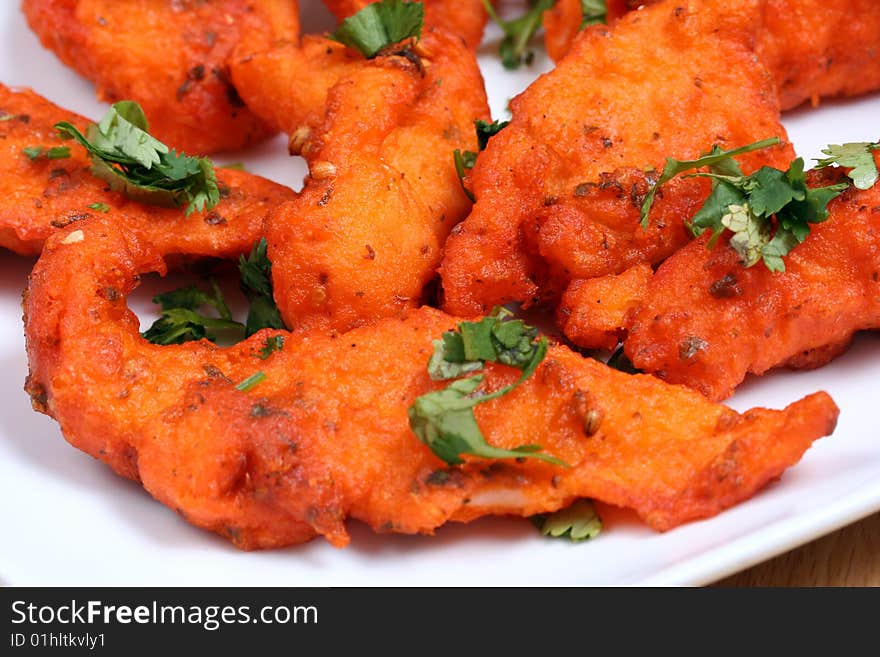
{"x":37,"y":197}
{"x":171,"y":57}
{"x":325,"y":436}
{"x":467,"y":18}
{"x":707,"y":321}
{"x":813,"y":48}
{"x":365,"y":235}
{"x":559,"y":190}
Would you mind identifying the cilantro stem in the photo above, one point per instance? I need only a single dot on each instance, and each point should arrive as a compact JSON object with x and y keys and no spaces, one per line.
{"x":250,"y":382}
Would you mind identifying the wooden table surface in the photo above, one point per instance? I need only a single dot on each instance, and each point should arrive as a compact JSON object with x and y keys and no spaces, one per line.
{"x":848,"y":557}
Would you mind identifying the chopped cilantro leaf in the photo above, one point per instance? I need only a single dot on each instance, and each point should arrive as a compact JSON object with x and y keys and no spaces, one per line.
{"x":593,"y":12}
{"x":485,"y":130}
{"x":131,"y":161}
{"x":41,"y":153}
{"x":99,"y":207}
{"x":859,"y":157}
{"x":444,"y":419}
{"x":256,"y":283}
{"x":271,"y":345}
{"x":464,"y":161}
{"x":518,"y":32}
{"x":251,"y":381}
{"x":579,"y":522}
{"x":718,"y":160}
{"x":380,"y":25}
{"x":181,"y":322}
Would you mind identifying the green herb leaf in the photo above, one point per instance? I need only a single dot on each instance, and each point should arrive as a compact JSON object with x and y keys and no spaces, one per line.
{"x":131,"y":161}
{"x":485,"y":130}
{"x":444,"y":419}
{"x":42,"y":153}
{"x":856,"y":155}
{"x":256,"y":283}
{"x":593,"y":12}
{"x":719,"y":161}
{"x":180,"y":322}
{"x":517,"y":33}
{"x":579,"y":522}
{"x":99,"y":207}
{"x":747,"y":206}
{"x":464,"y":161}
{"x":271,"y":345}
{"x":381,"y":24}
{"x":251,"y":381}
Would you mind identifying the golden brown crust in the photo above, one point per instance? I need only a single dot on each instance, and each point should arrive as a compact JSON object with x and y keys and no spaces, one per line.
{"x":171,"y":57}
{"x":325,"y":436}
{"x":39,"y":197}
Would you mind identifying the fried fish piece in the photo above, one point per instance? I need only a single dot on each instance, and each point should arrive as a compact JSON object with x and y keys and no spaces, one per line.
{"x":171,"y":57}
{"x":325,"y":435}
{"x":559,"y":189}
{"x":466,"y":18}
{"x":813,"y":48}
{"x":41,"y":195}
{"x":365,"y":235}
{"x":707,"y":321}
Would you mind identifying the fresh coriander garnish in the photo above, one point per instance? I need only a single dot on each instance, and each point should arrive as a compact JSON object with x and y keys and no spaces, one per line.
{"x":251,"y":381}
{"x":465,"y":160}
{"x":718,"y":160}
{"x":42,"y":153}
{"x":380,"y":25}
{"x":748,"y":205}
{"x":256,"y":284}
{"x":98,"y":207}
{"x":518,"y":32}
{"x":485,"y":130}
{"x":271,"y":345}
{"x":444,"y":419}
{"x":131,"y":161}
{"x":593,"y":12}
{"x":7,"y":117}
{"x":857,"y":155}
{"x":579,"y":522}
{"x":182,"y":322}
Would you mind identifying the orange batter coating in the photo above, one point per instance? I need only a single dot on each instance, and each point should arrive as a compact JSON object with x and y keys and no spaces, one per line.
{"x":559,"y":190}
{"x":813,"y":48}
{"x":595,"y":312}
{"x":172,"y":57}
{"x":325,"y":436}
{"x":37,"y":197}
{"x":707,"y":321}
{"x":466,"y":18}
{"x":365,"y":235}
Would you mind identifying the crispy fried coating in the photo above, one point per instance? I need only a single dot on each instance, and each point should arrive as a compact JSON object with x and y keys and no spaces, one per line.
{"x":37,"y":197}
{"x":171,"y":57}
{"x":813,"y":48}
{"x":559,"y":189}
{"x":707,"y":321}
{"x":325,"y":436}
{"x":595,"y":312}
{"x":365,"y":235}
{"x":466,"y":18}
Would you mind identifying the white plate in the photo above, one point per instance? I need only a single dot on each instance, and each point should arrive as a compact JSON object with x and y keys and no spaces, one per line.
{"x":67,"y":520}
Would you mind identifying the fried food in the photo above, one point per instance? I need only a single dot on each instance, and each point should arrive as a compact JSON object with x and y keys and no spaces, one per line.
{"x":466,"y":18}
{"x":813,"y":48}
{"x":559,"y":190}
{"x":171,"y":57}
{"x":40,"y":196}
{"x":365,"y":235}
{"x":325,"y":435}
{"x":707,"y":321}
